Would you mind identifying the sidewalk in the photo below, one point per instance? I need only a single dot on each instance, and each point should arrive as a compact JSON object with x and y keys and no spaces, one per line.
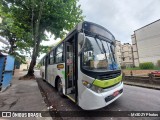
{"x":151,"y":86}
{"x":23,"y":95}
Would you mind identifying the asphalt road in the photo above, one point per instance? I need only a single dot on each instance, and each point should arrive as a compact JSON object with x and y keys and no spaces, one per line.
{"x":133,"y":99}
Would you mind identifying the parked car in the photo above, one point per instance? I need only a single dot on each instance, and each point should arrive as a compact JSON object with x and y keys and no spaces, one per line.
{"x":156,"y":73}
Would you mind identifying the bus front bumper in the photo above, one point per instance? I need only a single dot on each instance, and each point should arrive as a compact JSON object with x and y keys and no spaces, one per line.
{"x":92,"y":100}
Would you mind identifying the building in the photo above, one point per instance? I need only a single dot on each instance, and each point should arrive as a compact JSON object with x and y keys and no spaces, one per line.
{"x":146,"y":43}
{"x":124,"y":54}
{"x":135,"y":51}
{"x":118,"y":52}
{"x":127,"y":56}
{"x":3,"y":44}
{"x":26,"y":65}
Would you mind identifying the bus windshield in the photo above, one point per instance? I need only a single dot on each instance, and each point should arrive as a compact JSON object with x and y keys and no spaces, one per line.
{"x":98,"y":55}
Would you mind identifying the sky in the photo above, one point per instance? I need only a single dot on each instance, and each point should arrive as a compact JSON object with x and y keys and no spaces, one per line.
{"x":120,"y":17}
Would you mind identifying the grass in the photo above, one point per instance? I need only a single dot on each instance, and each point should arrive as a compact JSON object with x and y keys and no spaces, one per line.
{"x":137,"y":68}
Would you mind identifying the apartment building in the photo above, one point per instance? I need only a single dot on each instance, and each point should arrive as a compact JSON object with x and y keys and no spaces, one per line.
{"x":127,"y":56}
{"x":135,"y":51}
{"x":3,"y":43}
{"x":118,"y":52}
{"x":124,"y":54}
{"x":146,"y":43}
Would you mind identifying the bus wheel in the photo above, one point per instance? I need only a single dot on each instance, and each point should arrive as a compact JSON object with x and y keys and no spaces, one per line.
{"x":60,"y":88}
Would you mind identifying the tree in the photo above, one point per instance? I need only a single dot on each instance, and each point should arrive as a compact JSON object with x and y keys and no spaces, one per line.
{"x":13,"y":35}
{"x":38,"y":16}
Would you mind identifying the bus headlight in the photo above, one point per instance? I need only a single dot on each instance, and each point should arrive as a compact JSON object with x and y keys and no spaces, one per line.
{"x":86,"y":83}
{"x":96,"y":89}
{"x":92,"y":87}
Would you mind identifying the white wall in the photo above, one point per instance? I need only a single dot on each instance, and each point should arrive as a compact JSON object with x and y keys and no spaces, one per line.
{"x":148,"y":43}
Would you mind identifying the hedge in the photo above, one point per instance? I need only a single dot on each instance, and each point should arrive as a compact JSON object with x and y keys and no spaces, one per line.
{"x":158,"y":63}
{"x":146,"y":65}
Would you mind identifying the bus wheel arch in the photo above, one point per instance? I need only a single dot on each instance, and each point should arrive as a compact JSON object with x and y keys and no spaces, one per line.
{"x":58,"y":84}
{"x":43,"y":75}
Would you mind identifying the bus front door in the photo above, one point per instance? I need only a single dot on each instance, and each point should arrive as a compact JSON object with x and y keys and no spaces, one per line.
{"x":70,"y":76}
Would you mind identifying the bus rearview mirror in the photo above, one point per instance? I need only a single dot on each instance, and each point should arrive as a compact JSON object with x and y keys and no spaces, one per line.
{"x":81,"y":42}
{"x":80,"y":38}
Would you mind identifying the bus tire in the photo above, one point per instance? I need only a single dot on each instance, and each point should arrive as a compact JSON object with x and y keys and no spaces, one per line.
{"x":60,"y":88}
{"x":43,"y":76}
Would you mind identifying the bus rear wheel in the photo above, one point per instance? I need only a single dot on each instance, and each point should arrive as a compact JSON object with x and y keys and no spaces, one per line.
{"x":60,"y":88}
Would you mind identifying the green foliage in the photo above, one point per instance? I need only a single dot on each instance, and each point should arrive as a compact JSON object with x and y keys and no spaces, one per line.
{"x":20,"y":58}
{"x":29,"y":19}
{"x":16,"y":36}
{"x":146,"y":65}
{"x":123,"y":67}
{"x":134,"y":68}
{"x":158,"y":63}
{"x":38,"y":65}
{"x":137,"y":68}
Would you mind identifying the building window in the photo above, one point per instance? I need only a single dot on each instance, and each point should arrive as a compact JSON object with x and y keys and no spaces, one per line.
{"x":123,"y":58}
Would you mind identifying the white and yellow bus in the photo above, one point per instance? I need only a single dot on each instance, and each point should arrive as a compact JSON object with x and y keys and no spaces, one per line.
{"x":84,"y":68}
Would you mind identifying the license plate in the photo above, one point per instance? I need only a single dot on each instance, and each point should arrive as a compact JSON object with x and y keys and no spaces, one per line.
{"x":115,"y":93}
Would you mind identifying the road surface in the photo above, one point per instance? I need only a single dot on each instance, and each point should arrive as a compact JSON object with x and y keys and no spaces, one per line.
{"x":133,"y":99}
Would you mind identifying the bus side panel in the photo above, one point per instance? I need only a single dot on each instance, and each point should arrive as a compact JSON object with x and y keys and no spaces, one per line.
{"x":50,"y":75}
{"x":54,"y":72}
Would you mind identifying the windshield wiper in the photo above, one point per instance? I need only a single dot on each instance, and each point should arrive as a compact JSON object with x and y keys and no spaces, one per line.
{"x":110,"y":53}
{"x":98,"y":45}
{"x":104,"y":51}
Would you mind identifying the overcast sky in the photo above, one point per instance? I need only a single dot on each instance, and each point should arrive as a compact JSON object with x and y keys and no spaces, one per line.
{"x":121,"y":17}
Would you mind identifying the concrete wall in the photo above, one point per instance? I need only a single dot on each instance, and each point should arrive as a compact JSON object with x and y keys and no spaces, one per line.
{"x":148,"y":42}
{"x":138,"y":72}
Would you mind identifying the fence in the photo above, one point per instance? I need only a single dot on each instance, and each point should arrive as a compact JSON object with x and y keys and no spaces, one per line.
{"x":141,"y":77}
{"x":6,"y":71}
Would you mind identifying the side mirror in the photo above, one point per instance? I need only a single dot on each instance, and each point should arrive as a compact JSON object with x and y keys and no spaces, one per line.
{"x":81,"y":42}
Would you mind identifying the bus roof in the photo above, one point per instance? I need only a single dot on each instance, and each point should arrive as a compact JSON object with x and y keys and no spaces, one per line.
{"x":78,"y":28}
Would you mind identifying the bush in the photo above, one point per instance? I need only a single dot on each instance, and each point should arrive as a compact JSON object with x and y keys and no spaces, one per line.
{"x":158,"y":63}
{"x":123,"y":67}
{"x":146,"y":65}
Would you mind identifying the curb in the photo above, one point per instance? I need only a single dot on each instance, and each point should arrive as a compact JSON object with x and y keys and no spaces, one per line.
{"x":141,"y":85}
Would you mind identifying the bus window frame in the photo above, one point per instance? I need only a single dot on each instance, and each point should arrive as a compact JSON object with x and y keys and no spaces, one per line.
{"x":55,"y":60}
{"x":51,"y":52}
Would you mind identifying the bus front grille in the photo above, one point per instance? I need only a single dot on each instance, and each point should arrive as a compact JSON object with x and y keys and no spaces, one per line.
{"x":109,"y":76}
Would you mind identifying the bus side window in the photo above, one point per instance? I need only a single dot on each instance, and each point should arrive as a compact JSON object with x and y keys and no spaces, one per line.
{"x":59,"y":54}
{"x":51,"y":58}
